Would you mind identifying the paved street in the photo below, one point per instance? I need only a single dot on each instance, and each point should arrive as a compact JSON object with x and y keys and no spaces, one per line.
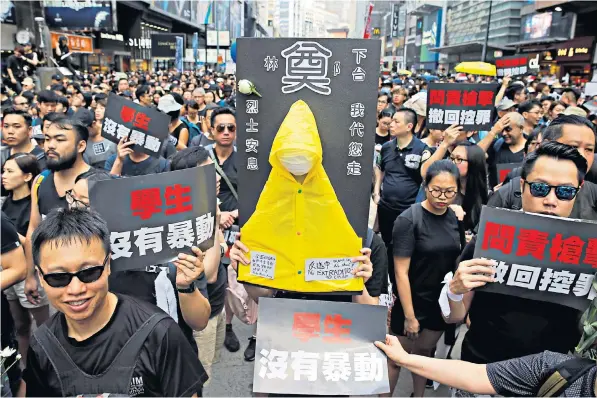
{"x":235,"y":375}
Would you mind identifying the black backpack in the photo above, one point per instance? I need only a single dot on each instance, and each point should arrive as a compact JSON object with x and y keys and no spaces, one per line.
{"x":563,"y":376}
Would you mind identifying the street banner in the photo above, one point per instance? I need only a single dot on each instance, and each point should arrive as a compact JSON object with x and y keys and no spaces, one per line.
{"x":504,"y":168}
{"x":147,"y":127}
{"x":164,"y":45}
{"x":468,"y":105}
{"x":320,"y":348}
{"x":154,"y":217}
{"x":539,"y":257}
{"x":179,"y":53}
{"x":327,"y":86}
{"x":517,"y":65}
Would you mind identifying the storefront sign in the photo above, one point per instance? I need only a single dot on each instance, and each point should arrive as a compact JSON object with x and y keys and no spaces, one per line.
{"x":218,"y":38}
{"x":139,"y":43}
{"x":395,"y":19}
{"x":468,"y":105}
{"x":108,"y":36}
{"x":152,"y":218}
{"x":539,"y":257}
{"x":163,"y":45}
{"x":76,"y":43}
{"x":7,"y":14}
{"x":320,"y":348}
{"x":78,"y":15}
{"x":580,"y":49}
{"x":517,"y":65}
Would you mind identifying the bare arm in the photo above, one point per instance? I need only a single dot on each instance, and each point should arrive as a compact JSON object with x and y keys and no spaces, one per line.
{"x":183,"y":139}
{"x":14,"y":267}
{"x":31,"y":283}
{"x":500,"y":94}
{"x":194,"y":306}
{"x":213,"y":257}
{"x":450,"y":137}
{"x":459,"y":309}
{"x":496,"y":130}
{"x":365,"y":298}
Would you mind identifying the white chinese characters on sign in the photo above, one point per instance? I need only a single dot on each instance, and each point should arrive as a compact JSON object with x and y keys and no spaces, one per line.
{"x":252,"y":126}
{"x":119,"y":131}
{"x":270,"y":63}
{"x":253,"y":106}
{"x":306,"y":66}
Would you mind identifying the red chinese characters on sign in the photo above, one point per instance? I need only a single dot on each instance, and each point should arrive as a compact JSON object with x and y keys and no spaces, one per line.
{"x":499,"y":237}
{"x":591,"y":253}
{"x":436,"y":97}
{"x":148,"y":201}
{"x":453,"y":97}
{"x":179,"y":198}
{"x":509,"y":63}
{"x":469,"y":98}
{"x":486,"y":98}
{"x":532,"y":242}
{"x":566,"y":250}
{"x":139,"y":119}
{"x":307,"y":325}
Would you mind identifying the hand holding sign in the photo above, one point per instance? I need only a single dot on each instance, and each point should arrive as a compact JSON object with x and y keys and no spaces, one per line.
{"x":189,"y":268}
{"x":393,"y":349}
{"x":238,"y":254}
{"x":452,"y":133}
{"x":125,"y":148}
{"x":472,"y":274}
{"x":506,"y":81}
{"x":365,"y":268}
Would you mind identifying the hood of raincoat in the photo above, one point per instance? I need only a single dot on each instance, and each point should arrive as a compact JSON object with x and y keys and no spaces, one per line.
{"x":299,"y":236}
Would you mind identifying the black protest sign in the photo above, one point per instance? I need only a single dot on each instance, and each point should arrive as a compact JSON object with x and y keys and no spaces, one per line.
{"x":146,"y":127}
{"x":504,"y":168}
{"x":163,"y":45}
{"x":539,"y":257}
{"x":517,"y":65}
{"x":320,"y":348}
{"x":154,"y":217}
{"x":337,"y":79}
{"x":468,"y":105}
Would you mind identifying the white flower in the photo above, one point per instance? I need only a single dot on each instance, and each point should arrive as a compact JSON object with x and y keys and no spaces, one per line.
{"x":247,"y":88}
{"x":7,"y":352}
{"x":19,"y":356}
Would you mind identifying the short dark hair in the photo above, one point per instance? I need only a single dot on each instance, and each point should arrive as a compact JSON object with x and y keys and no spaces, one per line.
{"x":513,"y":89}
{"x":64,"y":102}
{"x":18,"y":112}
{"x":100,"y":96}
{"x":527,"y":106}
{"x":442,"y":166}
{"x":28,"y":95}
{"x":385,"y":113}
{"x":47,"y":96}
{"x":27,"y":162}
{"x":192,"y":104}
{"x":142,"y":90}
{"x":410,"y":116}
{"x":557,"y":151}
{"x":555,"y":130}
{"x":188,"y":158}
{"x":67,"y":123}
{"x":123,"y":78}
{"x":64,"y":226}
{"x":51,"y":117}
{"x":221,"y":111}
{"x":88,"y":98}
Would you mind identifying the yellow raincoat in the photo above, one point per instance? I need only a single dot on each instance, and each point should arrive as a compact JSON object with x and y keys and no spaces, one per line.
{"x":296,"y":222}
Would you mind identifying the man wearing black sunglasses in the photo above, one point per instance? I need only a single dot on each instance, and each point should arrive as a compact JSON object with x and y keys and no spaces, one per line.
{"x":100,"y":342}
{"x":505,"y":327}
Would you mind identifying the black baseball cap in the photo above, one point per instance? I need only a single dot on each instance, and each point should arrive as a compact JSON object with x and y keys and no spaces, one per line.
{"x":56,"y":77}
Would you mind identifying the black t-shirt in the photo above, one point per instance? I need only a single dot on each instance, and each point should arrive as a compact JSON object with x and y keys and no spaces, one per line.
{"x":19,"y":212}
{"x":216,"y":292}
{"x":41,"y":157}
{"x":148,"y":287}
{"x":505,"y":327}
{"x":380,"y":139}
{"x":522,"y":377}
{"x":504,"y":155}
{"x":229,"y":202}
{"x":47,"y":196}
{"x":166,"y":365}
{"x":15,"y":65}
{"x":10,"y":237}
{"x":148,"y":166}
{"x":433,"y":247}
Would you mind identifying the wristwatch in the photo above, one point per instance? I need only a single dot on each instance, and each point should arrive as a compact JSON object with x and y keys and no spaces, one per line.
{"x":189,"y":289}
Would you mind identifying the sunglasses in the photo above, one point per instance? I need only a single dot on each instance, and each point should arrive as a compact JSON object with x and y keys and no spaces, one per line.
{"x":221,"y":127}
{"x":508,"y":129}
{"x":563,"y":192}
{"x":63,"y":279}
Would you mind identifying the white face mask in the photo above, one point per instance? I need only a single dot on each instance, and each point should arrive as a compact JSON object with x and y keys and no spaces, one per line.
{"x":297,"y":163}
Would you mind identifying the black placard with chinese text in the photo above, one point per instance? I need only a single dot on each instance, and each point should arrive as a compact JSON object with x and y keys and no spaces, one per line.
{"x":154,"y":217}
{"x":313,"y":347}
{"x":539,"y":257}
{"x":504,"y":168}
{"x":337,"y":78}
{"x":147,"y":127}
{"x":517,"y":65}
{"x":468,"y":105}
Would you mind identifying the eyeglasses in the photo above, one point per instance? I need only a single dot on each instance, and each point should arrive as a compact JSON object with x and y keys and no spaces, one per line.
{"x":221,"y":127}
{"x":437,"y":193}
{"x":563,"y":192}
{"x":74,"y":202}
{"x":63,"y":279}
{"x":458,"y":160}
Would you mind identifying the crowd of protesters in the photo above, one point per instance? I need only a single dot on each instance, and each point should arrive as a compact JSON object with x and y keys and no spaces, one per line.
{"x":107,"y":334}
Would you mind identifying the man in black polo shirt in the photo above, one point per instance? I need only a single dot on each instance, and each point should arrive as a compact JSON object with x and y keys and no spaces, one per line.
{"x":399,"y":170}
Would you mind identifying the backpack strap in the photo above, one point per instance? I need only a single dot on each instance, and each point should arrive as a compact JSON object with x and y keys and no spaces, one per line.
{"x":564,"y":375}
{"x":220,"y":171}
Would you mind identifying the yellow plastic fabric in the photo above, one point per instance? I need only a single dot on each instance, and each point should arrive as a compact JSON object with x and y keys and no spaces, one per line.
{"x":296,"y":222}
{"x":476,"y":68}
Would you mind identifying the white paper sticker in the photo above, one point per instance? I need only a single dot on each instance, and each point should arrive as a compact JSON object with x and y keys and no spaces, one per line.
{"x":263,"y":264}
{"x":328,"y":269}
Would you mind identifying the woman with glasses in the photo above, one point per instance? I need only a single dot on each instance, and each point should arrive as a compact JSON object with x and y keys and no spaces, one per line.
{"x":18,"y":175}
{"x":382,"y":132}
{"x":470,"y":161}
{"x":427,"y":242}
{"x":383,"y":100}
